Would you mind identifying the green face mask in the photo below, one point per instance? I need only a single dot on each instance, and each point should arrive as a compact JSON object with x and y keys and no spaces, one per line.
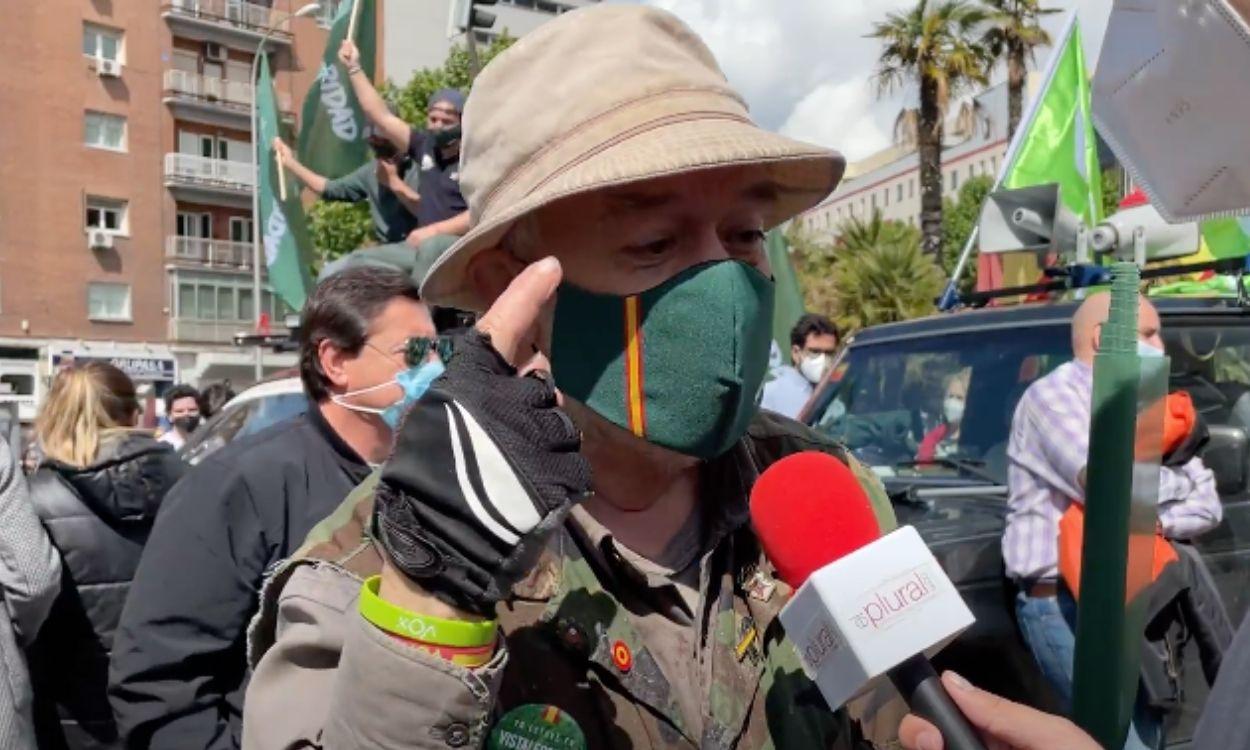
{"x":679,"y":365}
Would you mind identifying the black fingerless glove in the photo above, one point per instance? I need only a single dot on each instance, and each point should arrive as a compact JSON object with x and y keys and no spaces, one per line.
{"x":484,"y":467}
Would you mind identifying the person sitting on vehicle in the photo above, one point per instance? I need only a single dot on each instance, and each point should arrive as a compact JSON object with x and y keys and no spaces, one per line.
{"x":441,"y":211}
{"x":215,"y":397}
{"x":813,"y":341}
{"x":943,"y":441}
{"x":389,"y":184}
{"x":182,"y":409}
{"x":1047,"y":452}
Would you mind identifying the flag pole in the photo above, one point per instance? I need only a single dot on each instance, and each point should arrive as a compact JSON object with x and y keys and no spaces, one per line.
{"x":950,"y":295}
{"x":281,"y":176}
{"x":351,"y":25}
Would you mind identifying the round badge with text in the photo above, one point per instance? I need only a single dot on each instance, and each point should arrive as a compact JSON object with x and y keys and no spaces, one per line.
{"x":536,"y":726}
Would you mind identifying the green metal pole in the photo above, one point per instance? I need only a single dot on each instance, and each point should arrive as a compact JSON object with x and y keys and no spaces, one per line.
{"x":1122,"y":486}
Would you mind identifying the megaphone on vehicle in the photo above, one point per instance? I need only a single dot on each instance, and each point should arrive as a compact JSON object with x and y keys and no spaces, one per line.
{"x":1032,"y":218}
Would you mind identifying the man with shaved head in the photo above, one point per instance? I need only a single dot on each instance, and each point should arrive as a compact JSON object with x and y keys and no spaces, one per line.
{"x":1046,"y":474}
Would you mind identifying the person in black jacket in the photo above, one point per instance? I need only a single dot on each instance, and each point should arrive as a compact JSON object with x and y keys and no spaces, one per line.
{"x":367,"y":349}
{"x":97,"y":492}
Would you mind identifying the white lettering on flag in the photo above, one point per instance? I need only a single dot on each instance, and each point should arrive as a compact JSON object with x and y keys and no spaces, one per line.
{"x":334,"y":99}
{"x":275,"y":231}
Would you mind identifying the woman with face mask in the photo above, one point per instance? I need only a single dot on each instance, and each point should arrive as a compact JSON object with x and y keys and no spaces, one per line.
{"x":943,"y":441}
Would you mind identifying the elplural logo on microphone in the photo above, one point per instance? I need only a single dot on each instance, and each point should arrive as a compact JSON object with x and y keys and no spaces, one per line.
{"x":896,"y":599}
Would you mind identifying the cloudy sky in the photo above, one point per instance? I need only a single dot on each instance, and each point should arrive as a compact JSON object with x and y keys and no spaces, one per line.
{"x":804,"y":65}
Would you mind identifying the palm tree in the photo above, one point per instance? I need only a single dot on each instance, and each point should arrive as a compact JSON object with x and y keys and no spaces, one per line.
{"x":934,"y":46}
{"x":880,"y":275}
{"x":1014,"y":32}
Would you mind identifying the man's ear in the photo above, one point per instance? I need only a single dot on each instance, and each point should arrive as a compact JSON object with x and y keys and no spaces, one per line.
{"x":333,"y":361}
{"x":796,"y":354}
{"x":491,"y":271}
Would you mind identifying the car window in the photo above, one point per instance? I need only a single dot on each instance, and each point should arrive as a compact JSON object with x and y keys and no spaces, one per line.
{"x":242,"y":419}
{"x":889,"y":400}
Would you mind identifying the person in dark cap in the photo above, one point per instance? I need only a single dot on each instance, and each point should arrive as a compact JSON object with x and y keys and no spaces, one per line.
{"x":434,"y":154}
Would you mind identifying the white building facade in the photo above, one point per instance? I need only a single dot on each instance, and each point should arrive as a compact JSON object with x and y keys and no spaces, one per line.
{"x":889,"y":181}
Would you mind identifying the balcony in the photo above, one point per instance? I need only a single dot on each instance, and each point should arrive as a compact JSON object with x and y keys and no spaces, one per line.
{"x":209,"y":252}
{"x":212,"y":331}
{"x":213,"y":100}
{"x":218,"y":181}
{"x":223,"y":21}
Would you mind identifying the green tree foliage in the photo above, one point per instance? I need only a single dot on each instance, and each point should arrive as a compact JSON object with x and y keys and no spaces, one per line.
{"x":960,"y":217}
{"x":339,"y":228}
{"x":881,"y":274}
{"x":874,"y":272}
{"x":935,"y":46}
{"x":411,"y":99}
{"x":1112,"y":190}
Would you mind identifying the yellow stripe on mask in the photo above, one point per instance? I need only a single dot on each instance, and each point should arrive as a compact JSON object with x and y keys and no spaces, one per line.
{"x":633,"y":368}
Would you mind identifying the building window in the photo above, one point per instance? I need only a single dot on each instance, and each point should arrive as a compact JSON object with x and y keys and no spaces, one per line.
{"x":240,"y":229}
{"x":100,"y":43}
{"x":195,"y":225}
{"x":329,"y":12}
{"x":886,"y":196}
{"x":105,"y":214}
{"x":109,"y":302}
{"x":994,"y":164}
{"x":105,"y":131}
{"x":874,"y":201}
{"x":911,"y":188}
{"x":954,"y":180}
{"x":899,"y":197}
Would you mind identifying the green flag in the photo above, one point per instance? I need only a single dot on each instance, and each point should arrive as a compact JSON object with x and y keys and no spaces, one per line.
{"x":1055,"y":142}
{"x":333,"y":128}
{"x":282,"y":226}
{"x":1227,"y":238}
{"x":788,"y":307}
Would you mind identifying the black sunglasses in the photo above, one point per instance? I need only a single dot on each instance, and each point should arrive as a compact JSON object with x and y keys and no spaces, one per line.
{"x":417,"y":349}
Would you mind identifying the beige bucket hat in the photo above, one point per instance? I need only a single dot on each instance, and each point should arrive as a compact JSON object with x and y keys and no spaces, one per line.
{"x":598,"y":97}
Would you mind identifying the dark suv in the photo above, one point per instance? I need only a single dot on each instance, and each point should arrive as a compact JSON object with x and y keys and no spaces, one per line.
{"x":884,"y":397}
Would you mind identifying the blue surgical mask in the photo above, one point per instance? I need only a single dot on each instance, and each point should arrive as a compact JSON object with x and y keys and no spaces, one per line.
{"x":414,"y":382}
{"x":1147,"y":351}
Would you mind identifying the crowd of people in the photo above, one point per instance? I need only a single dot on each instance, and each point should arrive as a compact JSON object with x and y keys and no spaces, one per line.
{"x":533,"y":533}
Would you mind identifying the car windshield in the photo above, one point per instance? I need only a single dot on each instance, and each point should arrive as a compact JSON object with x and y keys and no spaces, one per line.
{"x":940,"y":404}
{"x":241,"y":419}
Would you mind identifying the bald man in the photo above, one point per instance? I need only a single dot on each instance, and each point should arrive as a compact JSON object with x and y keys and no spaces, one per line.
{"x":1046,"y":474}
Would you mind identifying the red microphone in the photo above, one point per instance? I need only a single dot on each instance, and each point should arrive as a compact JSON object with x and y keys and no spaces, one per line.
{"x":792,"y":510}
{"x":864,"y":605}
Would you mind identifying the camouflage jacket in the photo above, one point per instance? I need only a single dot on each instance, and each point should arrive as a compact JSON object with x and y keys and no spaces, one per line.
{"x":572,"y":670}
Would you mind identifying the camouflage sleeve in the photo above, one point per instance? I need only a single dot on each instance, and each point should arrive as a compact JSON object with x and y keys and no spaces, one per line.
{"x":332,"y":680}
{"x":875,"y":490}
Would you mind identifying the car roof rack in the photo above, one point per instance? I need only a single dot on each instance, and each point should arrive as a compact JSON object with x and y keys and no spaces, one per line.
{"x":1084,"y":276}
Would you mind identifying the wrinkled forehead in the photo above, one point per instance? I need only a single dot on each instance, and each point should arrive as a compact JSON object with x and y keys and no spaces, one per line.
{"x":709,"y":191}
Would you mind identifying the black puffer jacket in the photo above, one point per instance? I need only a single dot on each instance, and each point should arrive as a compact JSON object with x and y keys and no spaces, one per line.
{"x":99,"y":518}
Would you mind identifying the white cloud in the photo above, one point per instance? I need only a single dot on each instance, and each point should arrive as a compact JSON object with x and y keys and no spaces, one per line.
{"x":839,"y":114}
{"x":803,"y":65}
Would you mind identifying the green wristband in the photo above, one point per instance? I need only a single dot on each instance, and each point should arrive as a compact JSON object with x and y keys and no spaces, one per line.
{"x":432,"y":630}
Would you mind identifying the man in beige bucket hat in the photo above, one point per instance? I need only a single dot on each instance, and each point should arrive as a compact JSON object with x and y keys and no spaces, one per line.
{"x":483,"y":589}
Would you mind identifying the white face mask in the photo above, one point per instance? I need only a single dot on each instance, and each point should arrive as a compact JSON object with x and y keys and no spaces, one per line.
{"x":1174,"y":74}
{"x":1148,"y":351}
{"x":953,"y":409}
{"x":814,"y":366}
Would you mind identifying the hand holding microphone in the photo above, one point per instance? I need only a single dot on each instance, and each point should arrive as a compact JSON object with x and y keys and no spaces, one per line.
{"x":864,"y":605}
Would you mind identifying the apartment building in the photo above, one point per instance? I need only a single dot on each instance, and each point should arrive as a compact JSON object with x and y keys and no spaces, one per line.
{"x":889,"y":181}
{"x":126,"y":183}
{"x":420,"y":33}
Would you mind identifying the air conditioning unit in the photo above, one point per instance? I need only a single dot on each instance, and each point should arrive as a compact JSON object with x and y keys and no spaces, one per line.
{"x":214,"y":52}
{"x":108,"y":68}
{"x":98,"y":239}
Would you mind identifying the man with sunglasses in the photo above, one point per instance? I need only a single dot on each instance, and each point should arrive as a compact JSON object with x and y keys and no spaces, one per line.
{"x":368,"y":349}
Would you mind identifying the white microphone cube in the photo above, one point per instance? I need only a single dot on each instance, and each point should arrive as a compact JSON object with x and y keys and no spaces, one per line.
{"x":880,"y":605}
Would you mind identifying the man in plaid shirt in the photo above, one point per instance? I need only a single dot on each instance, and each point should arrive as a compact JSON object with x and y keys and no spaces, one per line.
{"x":1047,"y":453}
